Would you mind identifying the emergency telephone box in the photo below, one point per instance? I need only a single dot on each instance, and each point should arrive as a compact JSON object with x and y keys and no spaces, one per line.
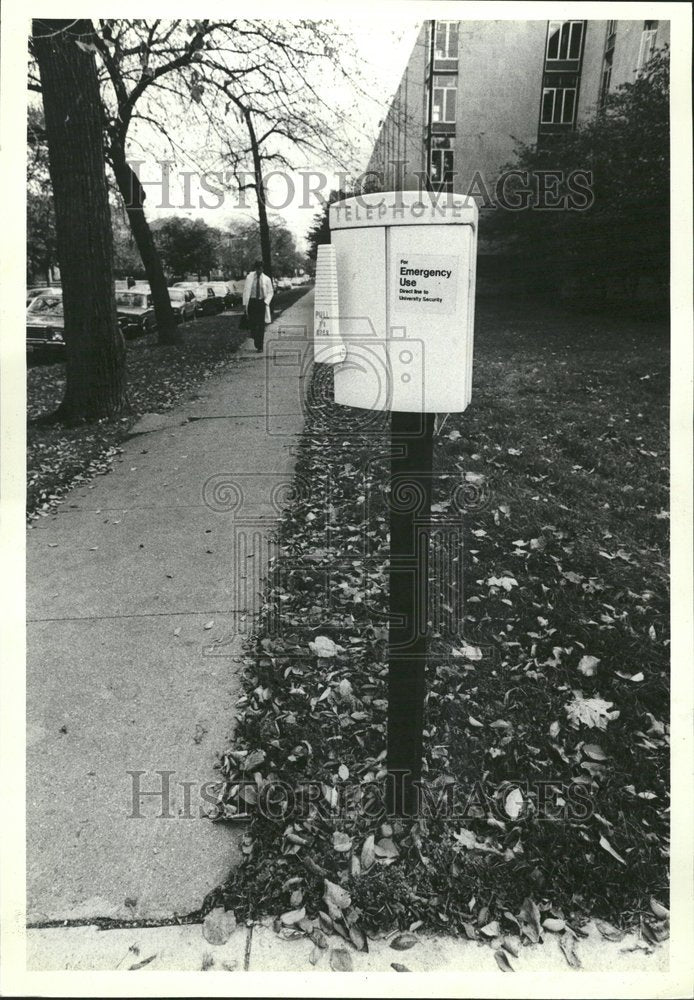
{"x":404,"y":302}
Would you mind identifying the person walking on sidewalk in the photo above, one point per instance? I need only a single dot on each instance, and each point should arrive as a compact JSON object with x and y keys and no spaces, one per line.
{"x":257,"y":295}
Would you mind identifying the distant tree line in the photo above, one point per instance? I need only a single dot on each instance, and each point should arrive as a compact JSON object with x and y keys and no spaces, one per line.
{"x":192,"y":247}
{"x":186,"y":246}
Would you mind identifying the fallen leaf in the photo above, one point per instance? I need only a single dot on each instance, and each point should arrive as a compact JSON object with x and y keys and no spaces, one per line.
{"x":591,"y":712}
{"x":513,"y":803}
{"x":530,"y":914}
{"x":502,"y":961}
{"x":588,"y":666}
{"x":609,"y":931}
{"x":368,"y":853}
{"x":399,"y":967}
{"x":323,"y":647}
{"x":219,"y":925}
{"x":141,"y":965}
{"x":253,"y":760}
{"x":293,"y":916}
{"x":358,"y":938}
{"x":554,"y":924}
{"x":469,"y":652}
{"x":655,"y":933}
{"x":466,"y":839}
{"x":567,"y":943}
{"x":386,"y":848}
{"x":341,"y":842}
{"x":318,"y":937}
{"x":607,"y":846}
{"x":404,"y":941}
{"x":508,"y":945}
{"x":336,"y":895}
{"x":344,"y":690}
{"x":340,"y":960}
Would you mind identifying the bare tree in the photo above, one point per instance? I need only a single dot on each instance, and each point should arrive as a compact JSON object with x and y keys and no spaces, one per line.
{"x":272,"y":76}
{"x":141,"y":57}
{"x":95,"y":364}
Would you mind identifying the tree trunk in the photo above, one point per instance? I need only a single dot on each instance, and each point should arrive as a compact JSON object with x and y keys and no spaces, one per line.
{"x":133,"y":195}
{"x":95,"y":351}
{"x":265,"y":243}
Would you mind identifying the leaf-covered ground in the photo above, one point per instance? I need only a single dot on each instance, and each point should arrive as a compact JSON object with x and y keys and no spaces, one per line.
{"x":546,"y":728}
{"x":158,"y":378}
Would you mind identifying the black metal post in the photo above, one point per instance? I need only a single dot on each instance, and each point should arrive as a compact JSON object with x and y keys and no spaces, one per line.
{"x":410,"y":517}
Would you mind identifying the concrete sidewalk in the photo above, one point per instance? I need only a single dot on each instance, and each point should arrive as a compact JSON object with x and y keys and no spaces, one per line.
{"x":258,"y":948}
{"x":141,"y":589}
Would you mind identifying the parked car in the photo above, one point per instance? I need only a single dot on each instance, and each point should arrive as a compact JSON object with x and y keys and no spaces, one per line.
{"x":207,"y":301}
{"x":135,"y":312}
{"x":283,"y":284}
{"x":33,"y":292}
{"x":45,"y":324}
{"x":183,"y":303}
{"x":220,"y":291}
{"x":183,"y":300}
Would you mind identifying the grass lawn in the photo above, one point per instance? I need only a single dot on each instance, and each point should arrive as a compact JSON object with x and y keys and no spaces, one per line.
{"x":557,"y":680}
{"x":158,"y":378}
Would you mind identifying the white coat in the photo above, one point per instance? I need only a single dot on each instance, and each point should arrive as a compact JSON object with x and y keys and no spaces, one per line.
{"x":266,"y":289}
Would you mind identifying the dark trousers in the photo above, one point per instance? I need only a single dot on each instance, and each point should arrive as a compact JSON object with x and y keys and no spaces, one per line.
{"x":256,"y":321}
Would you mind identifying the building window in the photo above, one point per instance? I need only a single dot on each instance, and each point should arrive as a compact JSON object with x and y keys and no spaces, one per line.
{"x":443,"y":106}
{"x":441,"y":167}
{"x":564,"y":40}
{"x":607,"y":60}
{"x":606,"y":77}
{"x":446,"y":40}
{"x":558,"y":105}
{"x":648,"y":40}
